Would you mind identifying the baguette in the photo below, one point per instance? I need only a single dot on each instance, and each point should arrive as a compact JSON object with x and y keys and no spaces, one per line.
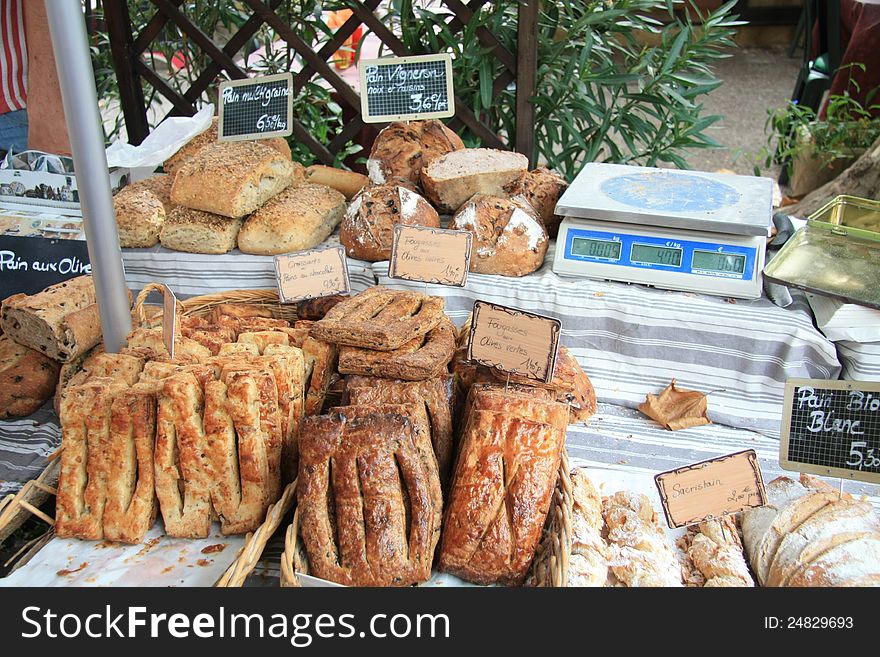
{"x":348,"y":183}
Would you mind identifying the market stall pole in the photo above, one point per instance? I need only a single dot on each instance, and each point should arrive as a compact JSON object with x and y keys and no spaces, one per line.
{"x":67,"y":26}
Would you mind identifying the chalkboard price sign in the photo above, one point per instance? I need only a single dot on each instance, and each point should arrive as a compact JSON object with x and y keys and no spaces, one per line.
{"x":832,"y":428}
{"x":256,"y":108}
{"x":406,"y":88}
{"x":31,"y":264}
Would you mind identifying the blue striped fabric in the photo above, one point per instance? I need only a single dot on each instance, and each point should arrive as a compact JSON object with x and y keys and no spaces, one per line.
{"x":25,"y":446}
{"x":861,"y":360}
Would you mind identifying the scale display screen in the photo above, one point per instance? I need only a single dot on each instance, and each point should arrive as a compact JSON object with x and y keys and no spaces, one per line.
{"x":596,"y":248}
{"x":651,"y":254}
{"x":725,"y":263}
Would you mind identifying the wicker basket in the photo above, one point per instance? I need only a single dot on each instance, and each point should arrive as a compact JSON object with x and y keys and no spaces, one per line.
{"x":549,"y":568}
{"x":15,"y":509}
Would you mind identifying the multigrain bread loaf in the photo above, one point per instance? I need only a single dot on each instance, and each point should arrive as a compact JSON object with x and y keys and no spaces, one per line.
{"x":451,"y":179}
{"x":509,"y":238}
{"x":233,"y":178}
{"x":27,"y":379}
{"x":195,"y":231}
{"x":61,"y":322}
{"x":140,"y":216}
{"x":542,"y":189}
{"x":403,"y":149}
{"x":348,"y":183}
{"x":297,"y":219}
{"x":367,"y":230}
{"x":210,"y":136}
{"x":158,"y":186}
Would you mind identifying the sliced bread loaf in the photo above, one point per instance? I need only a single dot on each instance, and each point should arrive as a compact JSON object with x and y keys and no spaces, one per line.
{"x":452,"y":179}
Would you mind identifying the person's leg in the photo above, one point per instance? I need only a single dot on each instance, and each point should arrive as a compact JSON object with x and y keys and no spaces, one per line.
{"x":14,"y":131}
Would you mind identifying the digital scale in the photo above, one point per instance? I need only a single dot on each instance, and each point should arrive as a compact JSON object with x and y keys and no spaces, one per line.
{"x":677,"y":230}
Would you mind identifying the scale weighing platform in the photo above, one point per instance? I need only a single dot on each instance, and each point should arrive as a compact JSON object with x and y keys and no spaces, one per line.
{"x":676,"y":230}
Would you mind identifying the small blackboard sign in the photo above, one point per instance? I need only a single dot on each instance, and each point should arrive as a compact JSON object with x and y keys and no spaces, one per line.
{"x":406,"y":88}
{"x":832,"y":428}
{"x":31,"y":264}
{"x":256,"y":108}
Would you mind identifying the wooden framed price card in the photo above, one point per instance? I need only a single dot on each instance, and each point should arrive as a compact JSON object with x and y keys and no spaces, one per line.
{"x":256,"y":108}
{"x":406,"y":88}
{"x":312,"y":274}
{"x":431,"y":255}
{"x":831,"y":428}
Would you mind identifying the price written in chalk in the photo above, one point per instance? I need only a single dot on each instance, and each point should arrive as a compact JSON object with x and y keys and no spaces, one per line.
{"x":311,"y":274}
{"x":430,"y":255}
{"x":256,"y":108}
{"x":832,"y":428}
{"x":514,"y":341}
{"x":711,"y":489}
{"x":406,"y":88}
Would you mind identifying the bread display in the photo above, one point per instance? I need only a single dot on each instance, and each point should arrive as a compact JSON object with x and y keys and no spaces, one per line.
{"x":452,"y":179}
{"x":542,"y":189}
{"x":811,"y":535}
{"x":140,"y":216}
{"x":504,"y":477}
{"x":233,"y":178}
{"x":509,"y":238}
{"x":368,"y":228}
{"x":403,"y":149}
{"x":715,"y":553}
{"x":380,"y":319}
{"x":348,"y":183}
{"x":194,"y":231}
{"x":368,"y":519}
{"x":60,"y":322}
{"x":27,"y":379}
{"x":298,"y":218}
{"x":210,"y":136}
{"x":425,"y":357}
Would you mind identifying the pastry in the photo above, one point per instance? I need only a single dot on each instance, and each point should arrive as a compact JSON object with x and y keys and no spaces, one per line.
{"x":380,"y":319}
{"x":509,"y":238}
{"x":263,"y":339}
{"x":426,"y":357}
{"x":151,"y":339}
{"x":140,"y":216}
{"x":320,"y":362}
{"x":297,"y":219}
{"x":194,"y":231}
{"x":27,"y":379}
{"x":716,"y":553}
{"x":402,"y":149}
{"x":452,"y":179}
{"x":315,"y":309}
{"x":542,"y":189}
{"x":241,"y":310}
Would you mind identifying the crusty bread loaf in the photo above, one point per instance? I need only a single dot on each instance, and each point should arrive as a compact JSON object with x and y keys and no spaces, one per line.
{"x":209,"y":136}
{"x":452,"y":179}
{"x":509,"y":239}
{"x":27,"y":379}
{"x":348,"y":183}
{"x":368,"y":227}
{"x":194,"y":231}
{"x":403,"y":149}
{"x":140,"y":216}
{"x":158,"y":186}
{"x":61,"y":322}
{"x":233,"y":178}
{"x":542,"y":189}
{"x":297,"y":219}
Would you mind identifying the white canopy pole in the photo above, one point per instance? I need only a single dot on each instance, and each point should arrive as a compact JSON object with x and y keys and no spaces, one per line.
{"x":70,"y":41}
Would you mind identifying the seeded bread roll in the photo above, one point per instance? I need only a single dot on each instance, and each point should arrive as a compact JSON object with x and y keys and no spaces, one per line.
{"x":233,"y":178}
{"x":509,"y":239}
{"x":209,"y":136}
{"x":27,"y":379}
{"x":404,"y":149}
{"x":347,"y":183}
{"x":452,"y":179}
{"x":158,"y":186}
{"x":542,"y":189}
{"x":368,"y":227}
{"x":194,"y":231}
{"x":299,"y":218}
{"x":140,"y":216}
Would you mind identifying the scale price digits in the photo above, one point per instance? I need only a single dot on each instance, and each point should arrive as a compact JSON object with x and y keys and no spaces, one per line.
{"x":596,"y":248}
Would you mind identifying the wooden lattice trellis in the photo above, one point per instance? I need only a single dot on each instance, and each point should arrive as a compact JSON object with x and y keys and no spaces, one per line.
{"x":127,"y":50}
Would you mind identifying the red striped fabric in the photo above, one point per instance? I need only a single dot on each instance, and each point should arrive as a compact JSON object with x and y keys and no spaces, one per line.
{"x":13,"y":57}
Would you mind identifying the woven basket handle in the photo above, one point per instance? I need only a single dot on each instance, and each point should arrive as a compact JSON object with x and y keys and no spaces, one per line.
{"x":139,"y":303}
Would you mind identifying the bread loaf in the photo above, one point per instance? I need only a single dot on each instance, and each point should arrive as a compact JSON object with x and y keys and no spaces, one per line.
{"x":348,"y":183}
{"x":452,"y":179}
{"x":27,"y":379}
{"x":542,"y":189}
{"x":402,"y":149}
{"x":233,"y":178}
{"x":368,"y":226}
{"x":158,"y":186}
{"x":509,"y":239}
{"x":61,"y":322}
{"x":194,"y":231}
{"x":297,"y":219}
{"x":140,"y":216}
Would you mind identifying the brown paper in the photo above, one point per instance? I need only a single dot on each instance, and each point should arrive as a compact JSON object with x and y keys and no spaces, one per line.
{"x":676,"y":409}
{"x":311,"y":274}
{"x":431,"y":255}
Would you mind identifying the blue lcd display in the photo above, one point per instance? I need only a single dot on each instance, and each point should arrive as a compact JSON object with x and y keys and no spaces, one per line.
{"x":660,"y":253}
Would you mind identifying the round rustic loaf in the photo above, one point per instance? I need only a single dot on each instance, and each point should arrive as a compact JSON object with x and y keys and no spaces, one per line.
{"x":542,"y":189}
{"x":509,"y":239}
{"x":368,"y":227}
{"x":27,"y":379}
{"x":140,"y":215}
{"x":404,"y":149}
